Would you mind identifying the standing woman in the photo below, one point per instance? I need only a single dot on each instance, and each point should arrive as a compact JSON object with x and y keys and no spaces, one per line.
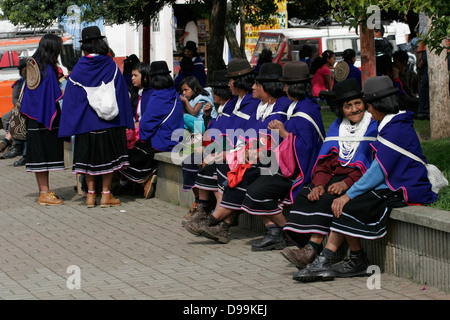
{"x":100,"y":138}
{"x":321,"y":69}
{"x":45,"y":151}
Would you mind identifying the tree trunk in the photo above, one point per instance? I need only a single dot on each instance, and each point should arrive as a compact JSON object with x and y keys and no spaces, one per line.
{"x":217,"y":38}
{"x":233,"y":44}
{"x":368,"y":62}
{"x":439,"y":93}
{"x":242,"y":23}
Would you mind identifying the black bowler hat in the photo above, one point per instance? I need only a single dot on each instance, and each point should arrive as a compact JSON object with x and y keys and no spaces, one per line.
{"x":190,"y":45}
{"x":295,"y":71}
{"x":238,"y":67}
{"x":270,"y":71}
{"x":378,"y":87}
{"x":158,"y":67}
{"x":219,"y":79}
{"x":91,"y":33}
{"x":347,"y":90}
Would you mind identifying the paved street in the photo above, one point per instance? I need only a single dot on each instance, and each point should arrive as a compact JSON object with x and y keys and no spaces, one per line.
{"x":140,"y":251}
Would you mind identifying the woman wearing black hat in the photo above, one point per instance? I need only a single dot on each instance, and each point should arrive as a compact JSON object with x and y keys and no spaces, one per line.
{"x":96,"y":109}
{"x":198,"y":67}
{"x":241,"y":79}
{"x":205,"y":179}
{"x":162,"y":119}
{"x":269,"y":193}
{"x":273,"y":106}
{"x":396,"y":177}
{"x":343,"y":158}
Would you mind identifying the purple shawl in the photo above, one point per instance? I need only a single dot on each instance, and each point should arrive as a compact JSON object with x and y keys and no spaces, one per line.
{"x":77,"y":116}
{"x":307,"y":141}
{"x":247,"y":107}
{"x":363,"y":157}
{"x":40,"y":104}
{"x":402,"y":172}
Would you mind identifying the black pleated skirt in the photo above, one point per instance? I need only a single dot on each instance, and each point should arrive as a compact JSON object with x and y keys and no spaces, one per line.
{"x":142,"y":163}
{"x":189,"y":169}
{"x":267,"y":195}
{"x":45,"y":151}
{"x":100,"y":152}
{"x":311,"y":216}
{"x":207,"y":178}
{"x":233,"y":197}
{"x":366,"y":216}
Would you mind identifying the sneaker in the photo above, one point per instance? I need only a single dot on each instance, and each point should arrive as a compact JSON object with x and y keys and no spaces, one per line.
{"x":355,"y":266}
{"x":49,"y":199}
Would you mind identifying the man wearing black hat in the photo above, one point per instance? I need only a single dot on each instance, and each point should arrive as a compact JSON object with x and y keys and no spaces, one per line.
{"x":197,"y":67}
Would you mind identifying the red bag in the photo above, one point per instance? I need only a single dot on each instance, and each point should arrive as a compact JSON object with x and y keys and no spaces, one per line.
{"x":132,"y":137}
{"x":235,"y":176}
{"x":286,"y":157}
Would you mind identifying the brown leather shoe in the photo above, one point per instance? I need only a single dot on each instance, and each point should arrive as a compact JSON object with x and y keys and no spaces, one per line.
{"x":108,"y":200}
{"x":218,"y":232}
{"x":300,"y":257}
{"x":150,"y":187}
{"x":198,"y":214}
{"x":91,"y":200}
{"x":49,"y":199}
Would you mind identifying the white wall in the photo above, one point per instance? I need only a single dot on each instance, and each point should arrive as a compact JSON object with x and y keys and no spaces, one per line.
{"x":124,"y":39}
{"x":161,"y":38}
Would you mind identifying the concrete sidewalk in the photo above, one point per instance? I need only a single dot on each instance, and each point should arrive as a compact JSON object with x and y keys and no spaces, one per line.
{"x":140,"y":251}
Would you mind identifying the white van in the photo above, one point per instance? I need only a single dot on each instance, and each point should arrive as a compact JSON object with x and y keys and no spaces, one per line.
{"x":286,"y":44}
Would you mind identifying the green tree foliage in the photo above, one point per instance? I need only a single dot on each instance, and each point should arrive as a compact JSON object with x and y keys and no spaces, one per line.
{"x":438,"y":11}
{"x":38,"y":14}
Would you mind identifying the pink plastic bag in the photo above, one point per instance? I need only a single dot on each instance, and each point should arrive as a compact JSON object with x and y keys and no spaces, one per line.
{"x":285,"y":156}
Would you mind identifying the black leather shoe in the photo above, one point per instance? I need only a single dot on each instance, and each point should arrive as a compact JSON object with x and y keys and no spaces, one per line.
{"x":13,"y":152}
{"x":318,"y":270}
{"x":20,"y":162}
{"x":356,"y":266}
{"x":273,"y":240}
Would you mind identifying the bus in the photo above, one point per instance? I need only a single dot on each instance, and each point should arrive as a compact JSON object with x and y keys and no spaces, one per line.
{"x":21,"y":44}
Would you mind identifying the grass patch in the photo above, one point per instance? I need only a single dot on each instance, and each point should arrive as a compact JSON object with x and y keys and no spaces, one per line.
{"x":436,"y":151}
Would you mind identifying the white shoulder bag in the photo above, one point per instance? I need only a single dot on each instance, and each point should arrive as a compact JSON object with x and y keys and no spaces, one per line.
{"x":102,"y":99}
{"x":437,"y":179}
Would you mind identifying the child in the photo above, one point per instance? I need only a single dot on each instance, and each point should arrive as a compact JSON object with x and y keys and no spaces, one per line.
{"x":198,"y":105}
